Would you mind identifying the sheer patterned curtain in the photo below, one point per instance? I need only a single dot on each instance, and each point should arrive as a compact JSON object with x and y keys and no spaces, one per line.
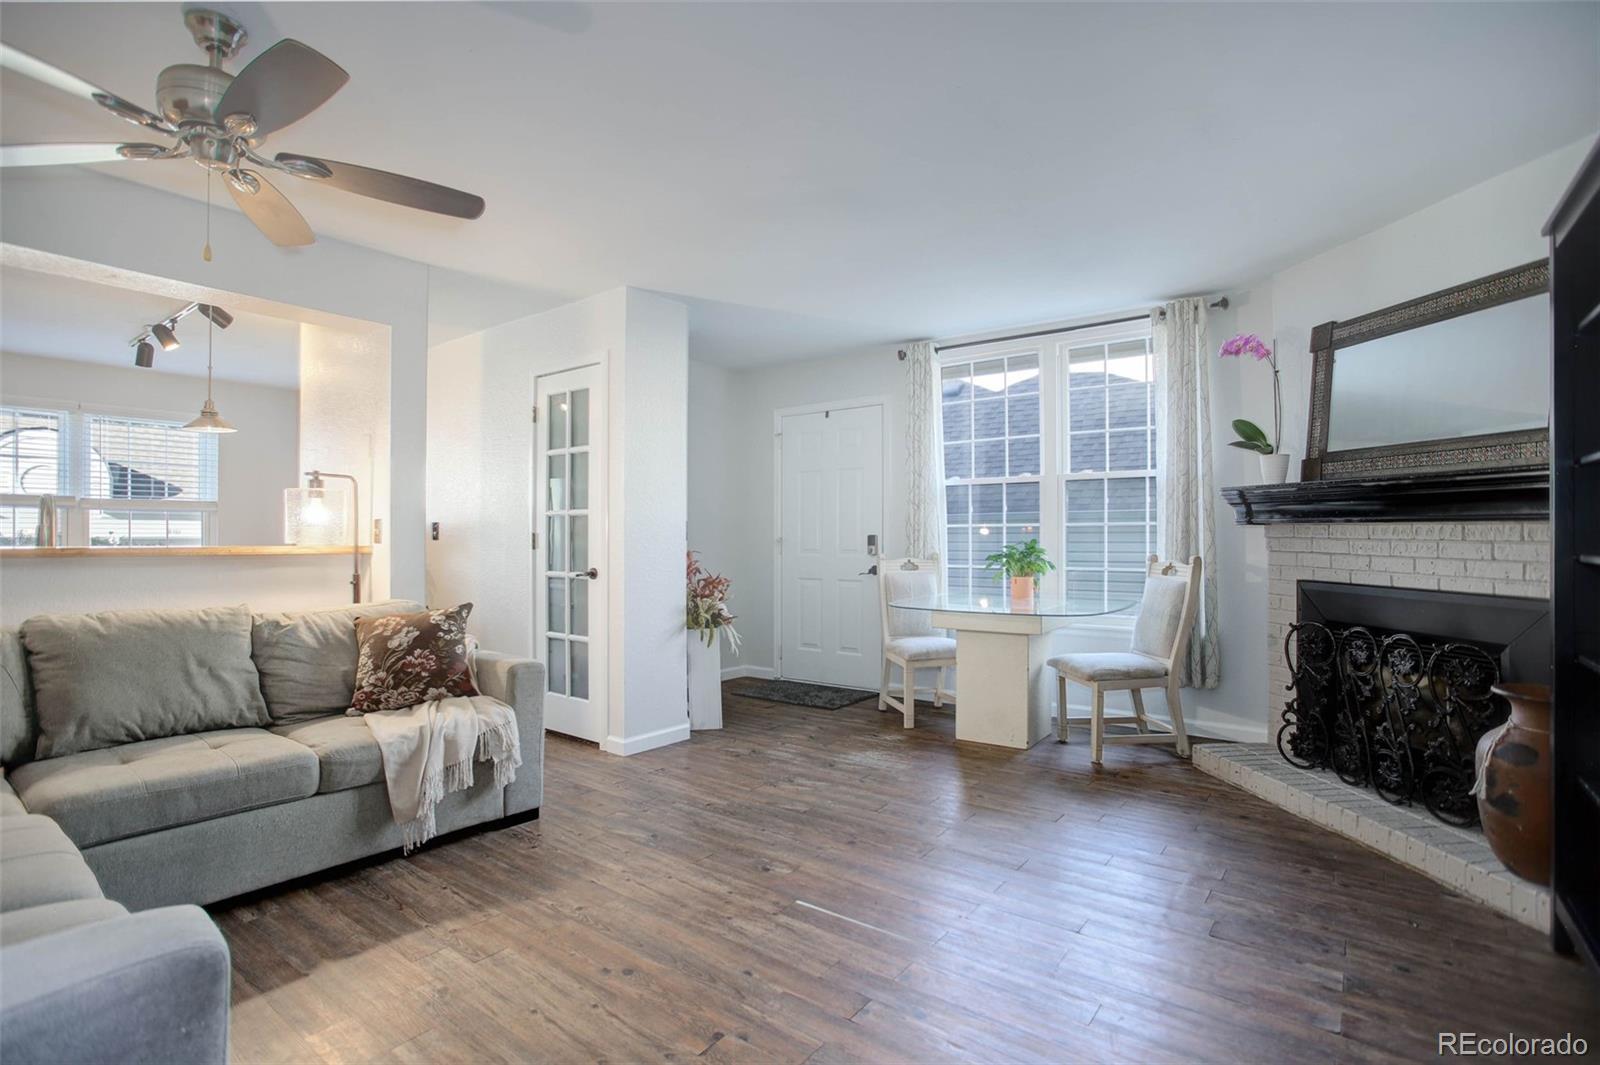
{"x":1183,"y":429}
{"x":925,"y":507}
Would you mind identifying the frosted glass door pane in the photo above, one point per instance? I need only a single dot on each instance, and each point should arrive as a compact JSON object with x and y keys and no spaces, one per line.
{"x":580,"y":608}
{"x":558,"y":483}
{"x":580,"y":543}
{"x":580,"y":669}
{"x":558,"y":420}
{"x":556,"y":665}
{"x":556,"y":544}
{"x":580,"y":418}
{"x":557,"y":595}
{"x":579,"y":485}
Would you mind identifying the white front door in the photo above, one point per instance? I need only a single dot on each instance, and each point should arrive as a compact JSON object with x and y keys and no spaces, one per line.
{"x":570,"y":546}
{"x":830,"y":503}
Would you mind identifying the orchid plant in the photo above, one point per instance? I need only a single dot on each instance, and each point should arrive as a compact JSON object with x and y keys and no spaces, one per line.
{"x":1251,"y":437}
{"x":707,"y":608}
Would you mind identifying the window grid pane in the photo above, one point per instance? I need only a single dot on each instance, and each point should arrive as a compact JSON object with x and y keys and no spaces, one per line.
{"x":992,"y":464}
{"x":31,"y":452}
{"x":1110,"y":459}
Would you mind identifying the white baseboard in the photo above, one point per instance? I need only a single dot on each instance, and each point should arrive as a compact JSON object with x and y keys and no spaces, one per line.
{"x":648,"y":742}
{"x":741,"y":672}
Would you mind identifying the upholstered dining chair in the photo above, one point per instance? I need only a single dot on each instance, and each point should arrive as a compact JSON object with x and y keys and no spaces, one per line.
{"x":909,"y":639}
{"x":1155,"y":660}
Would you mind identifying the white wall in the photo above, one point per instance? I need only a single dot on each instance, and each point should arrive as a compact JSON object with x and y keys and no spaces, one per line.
{"x":481,"y":390}
{"x":254,"y":465}
{"x":98,"y":219}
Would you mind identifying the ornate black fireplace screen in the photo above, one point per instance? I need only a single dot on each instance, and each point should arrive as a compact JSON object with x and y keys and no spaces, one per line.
{"x":1390,"y":712}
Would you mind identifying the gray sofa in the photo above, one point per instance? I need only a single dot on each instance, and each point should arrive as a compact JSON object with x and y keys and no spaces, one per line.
{"x":120,"y":794}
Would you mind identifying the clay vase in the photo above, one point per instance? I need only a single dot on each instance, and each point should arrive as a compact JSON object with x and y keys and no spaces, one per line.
{"x":1022,"y":592}
{"x":1515,"y":804}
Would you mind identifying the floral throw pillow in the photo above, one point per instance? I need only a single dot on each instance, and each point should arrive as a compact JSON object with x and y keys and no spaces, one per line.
{"x":406,"y":659}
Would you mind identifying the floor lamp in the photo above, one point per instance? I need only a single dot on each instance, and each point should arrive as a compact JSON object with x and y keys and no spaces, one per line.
{"x":309,"y":519}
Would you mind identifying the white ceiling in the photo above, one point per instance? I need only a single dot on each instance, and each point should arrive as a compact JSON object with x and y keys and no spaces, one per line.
{"x":59,"y":317}
{"x":816,"y":176}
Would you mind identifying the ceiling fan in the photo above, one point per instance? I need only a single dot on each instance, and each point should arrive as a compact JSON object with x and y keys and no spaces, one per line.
{"x":220,"y":120}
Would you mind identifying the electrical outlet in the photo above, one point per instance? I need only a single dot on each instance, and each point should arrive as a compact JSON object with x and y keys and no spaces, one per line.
{"x":435,"y":530}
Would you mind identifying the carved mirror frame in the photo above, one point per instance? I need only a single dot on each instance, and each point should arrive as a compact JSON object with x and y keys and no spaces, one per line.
{"x":1520,"y":449}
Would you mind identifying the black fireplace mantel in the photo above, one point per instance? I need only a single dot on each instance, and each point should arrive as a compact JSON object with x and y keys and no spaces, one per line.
{"x":1495,"y":495}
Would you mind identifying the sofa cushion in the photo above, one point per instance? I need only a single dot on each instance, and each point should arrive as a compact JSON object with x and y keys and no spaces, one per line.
{"x":10,"y":805}
{"x":39,"y":865}
{"x":347,"y":753}
{"x":19,"y":733}
{"x":100,"y":680}
{"x":99,"y":796}
{"x":35,"y":921}
{"x":307,"y":661}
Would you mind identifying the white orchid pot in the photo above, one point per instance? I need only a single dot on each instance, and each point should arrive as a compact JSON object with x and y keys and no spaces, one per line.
{"x":705,"y":682}
{"x":1274,"y":467}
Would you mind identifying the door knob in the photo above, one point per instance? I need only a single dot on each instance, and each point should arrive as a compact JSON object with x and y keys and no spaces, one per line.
{"x":592,"y":574}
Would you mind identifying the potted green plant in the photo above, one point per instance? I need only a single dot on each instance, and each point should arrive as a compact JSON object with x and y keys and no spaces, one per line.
{"x":1024,"y":563}
{"x":1274,"y":461}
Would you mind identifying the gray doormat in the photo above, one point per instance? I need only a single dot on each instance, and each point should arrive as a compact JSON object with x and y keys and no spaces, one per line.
{"x":801,"y":693}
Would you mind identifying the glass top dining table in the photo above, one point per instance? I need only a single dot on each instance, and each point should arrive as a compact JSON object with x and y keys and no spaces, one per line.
{"x":1040,"y":607}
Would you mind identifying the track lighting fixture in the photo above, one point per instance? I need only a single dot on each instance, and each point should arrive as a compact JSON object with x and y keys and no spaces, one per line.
{"x":216,"y":315}
{"x":164,"y":336}
{"x":145,"y":354}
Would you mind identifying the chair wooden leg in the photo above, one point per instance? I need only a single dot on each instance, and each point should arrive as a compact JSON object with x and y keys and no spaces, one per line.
{"x":1138,"y":709}
{"x":908,"y":694}
{"x":938,"y":686}
{"x":1175,"y":708}
{"x":1097,"y":726}
{"x":883,"y":686}
{"x":1061,"y":708}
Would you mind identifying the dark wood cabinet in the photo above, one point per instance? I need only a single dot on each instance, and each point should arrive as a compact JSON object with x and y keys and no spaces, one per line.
{"x":1574,"y":232}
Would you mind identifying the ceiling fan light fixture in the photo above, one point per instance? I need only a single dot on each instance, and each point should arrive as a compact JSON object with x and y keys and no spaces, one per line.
{"x":142,"y":151}
{"x":145,"y":354}
{"x":244,"y":181}
{"x":164,"y":336}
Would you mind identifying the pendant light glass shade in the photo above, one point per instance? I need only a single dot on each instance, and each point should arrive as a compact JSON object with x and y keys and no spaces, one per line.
{"x":210,"y":421}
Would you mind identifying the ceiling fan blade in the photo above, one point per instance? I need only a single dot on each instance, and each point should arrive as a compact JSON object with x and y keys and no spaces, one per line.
{"x":271,"y":211}
{"x":37,"y":69}
{"x":382,"y":185}
{"x":66,"y":154}
{"x":282,"y":85}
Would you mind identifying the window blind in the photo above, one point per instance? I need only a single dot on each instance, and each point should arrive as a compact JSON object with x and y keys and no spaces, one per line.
{"x":31,"y":452}
{"x":139,"y":458}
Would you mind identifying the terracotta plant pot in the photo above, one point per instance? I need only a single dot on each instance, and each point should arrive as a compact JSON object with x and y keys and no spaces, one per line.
{"x":1516,"y":799}
{"x":1022,"y":591}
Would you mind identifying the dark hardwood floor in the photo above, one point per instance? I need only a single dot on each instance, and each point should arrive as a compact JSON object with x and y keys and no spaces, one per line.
{"x":816,"y":886}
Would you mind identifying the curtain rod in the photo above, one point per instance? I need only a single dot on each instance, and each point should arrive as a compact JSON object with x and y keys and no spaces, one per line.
{"x":1220,"y":304}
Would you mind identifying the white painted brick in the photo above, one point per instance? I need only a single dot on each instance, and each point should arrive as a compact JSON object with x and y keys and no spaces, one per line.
{"x":1491,"y":530}
{"x":1415,"y":580}
{"x":1478,"y":585}
{"x":1311,"y":560}
{"x":1523,"y":589}
{"x":1466,"y":550}
{"x":1352,"y":562}
{"x":1369,"y":547}
{"x":1415,"y":548}
{"x":1523,"y":552}
{"x":1442,"y":567}
{"x":1536,"y":530}
{"x":1394,"y":565}
{"x":1500,"y":571}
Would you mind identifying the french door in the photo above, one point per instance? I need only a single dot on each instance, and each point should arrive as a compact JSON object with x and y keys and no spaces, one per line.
{"x":830,"y":532}
{"x":570,"y":548}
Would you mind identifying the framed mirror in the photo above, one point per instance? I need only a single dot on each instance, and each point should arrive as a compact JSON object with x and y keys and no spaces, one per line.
{"x":1454,"y":381}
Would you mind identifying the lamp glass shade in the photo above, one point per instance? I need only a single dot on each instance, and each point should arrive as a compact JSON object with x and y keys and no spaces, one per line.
{"x":210,"y":421}
{"x":315,"y":517}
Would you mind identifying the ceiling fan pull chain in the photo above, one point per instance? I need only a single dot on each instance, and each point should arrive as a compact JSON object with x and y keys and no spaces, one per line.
{"x":206,"y":252}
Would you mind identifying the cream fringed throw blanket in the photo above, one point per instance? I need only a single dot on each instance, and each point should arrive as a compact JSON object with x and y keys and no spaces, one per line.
{"x":429,"y":750}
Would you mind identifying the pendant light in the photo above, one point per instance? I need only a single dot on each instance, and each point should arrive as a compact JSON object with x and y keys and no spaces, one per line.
{"x":209,"y":420}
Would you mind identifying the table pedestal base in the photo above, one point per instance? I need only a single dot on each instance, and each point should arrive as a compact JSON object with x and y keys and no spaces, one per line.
{"x":1003,"y":687}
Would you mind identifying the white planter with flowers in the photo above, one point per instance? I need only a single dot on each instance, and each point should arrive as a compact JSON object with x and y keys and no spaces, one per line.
{"x":708,"y":620}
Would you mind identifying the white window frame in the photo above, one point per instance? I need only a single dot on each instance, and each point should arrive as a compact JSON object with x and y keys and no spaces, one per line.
{"x":73,"y":501}
{"x":1054,"y":436}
